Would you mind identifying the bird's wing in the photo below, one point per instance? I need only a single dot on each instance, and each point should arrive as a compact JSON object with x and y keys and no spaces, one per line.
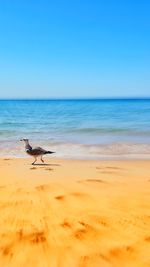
{"x":38,"y":151}
{"x":40,"y":148}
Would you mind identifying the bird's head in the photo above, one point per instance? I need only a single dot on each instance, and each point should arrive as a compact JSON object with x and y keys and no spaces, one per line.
{"x":25,"y":140}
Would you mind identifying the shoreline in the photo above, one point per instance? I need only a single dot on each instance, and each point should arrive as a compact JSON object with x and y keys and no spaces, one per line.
{"x":85,"y":213}
{"x":103,"y":159}
{"x":77,"y":151}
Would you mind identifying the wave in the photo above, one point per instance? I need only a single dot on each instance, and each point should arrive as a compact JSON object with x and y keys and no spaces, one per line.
{"x":82,"y":131}
{"x":116,"y":150}
{"x":114,"y":130}
{"x":5,"y":133}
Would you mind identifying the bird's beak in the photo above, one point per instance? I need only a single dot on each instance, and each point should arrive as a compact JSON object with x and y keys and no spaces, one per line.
{"x":21,"y":139}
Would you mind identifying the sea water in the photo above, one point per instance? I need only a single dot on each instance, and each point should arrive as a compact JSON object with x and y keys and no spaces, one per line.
{"x":81,"y":128}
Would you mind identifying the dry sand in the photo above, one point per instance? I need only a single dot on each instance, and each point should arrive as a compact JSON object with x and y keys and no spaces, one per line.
{"x":74,"y":213}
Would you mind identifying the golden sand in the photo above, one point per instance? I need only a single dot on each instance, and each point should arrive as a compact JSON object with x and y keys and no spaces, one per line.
{"x":74,"y":213}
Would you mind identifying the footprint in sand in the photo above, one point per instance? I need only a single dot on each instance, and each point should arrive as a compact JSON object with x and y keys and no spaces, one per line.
{"x":97,"y":258}
{"x":33,"y":168}
{"x":6,"y":251}
{"x":77,"y":195}
{"x":98,"y":220}
{"x":43,"y":187}
{"x":147,"y":238}
{"x":114,"y":168}
{"x":105,"y":259}
{"x":94,"y":181}
{"x":109,"y":170}
{"x":48,"y":169}
{"x":85,"y":231}
{"x":66,"y":224}
{"x":34,"y":237}
{"x":61,"y":197}
{"x":109,"y":167}
{"x":118,"y":252}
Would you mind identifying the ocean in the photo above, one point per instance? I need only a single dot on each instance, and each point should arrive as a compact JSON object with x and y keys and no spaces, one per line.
{"x":79,"y":129}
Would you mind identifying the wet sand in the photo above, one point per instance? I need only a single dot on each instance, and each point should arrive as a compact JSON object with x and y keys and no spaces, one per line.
{"x":70,"y":213}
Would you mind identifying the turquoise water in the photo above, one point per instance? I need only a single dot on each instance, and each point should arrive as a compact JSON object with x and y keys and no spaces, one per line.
{"x":77,"y":128}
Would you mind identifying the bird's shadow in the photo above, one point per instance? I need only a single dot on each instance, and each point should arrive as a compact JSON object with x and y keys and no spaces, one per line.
{"x":44,"y":164}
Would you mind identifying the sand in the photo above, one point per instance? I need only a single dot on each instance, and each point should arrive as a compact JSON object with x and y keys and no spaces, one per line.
{"x":74,"y":213}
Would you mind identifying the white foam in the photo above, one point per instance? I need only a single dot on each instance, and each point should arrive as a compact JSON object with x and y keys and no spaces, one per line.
{"x":80,"y":151}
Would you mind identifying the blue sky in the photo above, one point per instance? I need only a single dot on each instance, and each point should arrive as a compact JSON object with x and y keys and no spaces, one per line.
{"x":74,"y":48}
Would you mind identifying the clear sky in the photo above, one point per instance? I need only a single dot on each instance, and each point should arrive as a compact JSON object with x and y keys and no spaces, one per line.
{"x":74,"y":48}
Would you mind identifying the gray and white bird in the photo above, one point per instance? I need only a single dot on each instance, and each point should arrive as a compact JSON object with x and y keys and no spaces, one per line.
{"x":35,"y":152}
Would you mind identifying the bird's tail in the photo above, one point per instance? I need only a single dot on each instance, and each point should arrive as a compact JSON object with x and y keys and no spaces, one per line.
{"x":49,"y":152}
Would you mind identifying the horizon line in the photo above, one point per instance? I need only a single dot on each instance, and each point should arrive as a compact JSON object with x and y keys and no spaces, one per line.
{"x":77,"y":98}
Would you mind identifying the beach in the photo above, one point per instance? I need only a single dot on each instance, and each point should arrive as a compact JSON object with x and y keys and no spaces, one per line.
{"x":75,"y":134}
{"x":74,"y":213}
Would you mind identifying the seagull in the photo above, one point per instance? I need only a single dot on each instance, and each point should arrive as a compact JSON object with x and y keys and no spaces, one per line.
{"x":35,"y":152}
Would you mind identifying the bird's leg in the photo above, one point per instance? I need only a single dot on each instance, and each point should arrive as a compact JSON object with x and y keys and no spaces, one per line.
{"x":42,"y":159}
{"x":34,"y":161}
